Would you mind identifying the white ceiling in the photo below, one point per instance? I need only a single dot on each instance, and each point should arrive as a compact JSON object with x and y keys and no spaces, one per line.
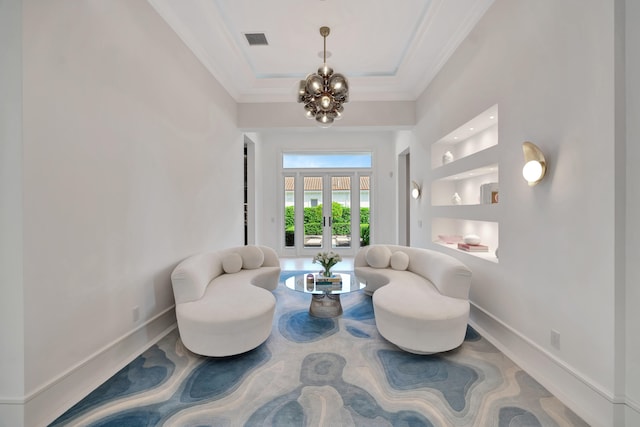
{"x":388,"y":50}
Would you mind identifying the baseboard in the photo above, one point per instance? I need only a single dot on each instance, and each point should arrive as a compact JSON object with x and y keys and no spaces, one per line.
{"x":583,"y":396}
{"x":51,"y":400}
{"x":632,"y":413}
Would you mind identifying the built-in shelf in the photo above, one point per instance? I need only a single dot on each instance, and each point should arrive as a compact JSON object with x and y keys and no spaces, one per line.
{"x":446,"y":229}
{"x":474,"y":212}
{"x":489,"y":256}
{"x":465,"y":185}
{"x":471,"y":187}
{"x":476,"y":162}
{"x":478,"y":134}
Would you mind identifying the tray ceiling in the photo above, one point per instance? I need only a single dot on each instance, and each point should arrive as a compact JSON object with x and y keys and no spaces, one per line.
{"x":387,"y":50}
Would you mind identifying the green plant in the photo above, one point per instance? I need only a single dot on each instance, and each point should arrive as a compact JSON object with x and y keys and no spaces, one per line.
{"x":327,"y":260}
{"x":314,"y":228}
{"x":341,"y":228}
{"x":337,"y":211}
{"x":313,"y":214}
{"x":289,"y":216}
{"x":313,"y":222}
{"x":364,"y":215}
{"x":364,"y":234}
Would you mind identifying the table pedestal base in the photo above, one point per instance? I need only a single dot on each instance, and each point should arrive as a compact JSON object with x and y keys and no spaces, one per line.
{"x":325,"y":305}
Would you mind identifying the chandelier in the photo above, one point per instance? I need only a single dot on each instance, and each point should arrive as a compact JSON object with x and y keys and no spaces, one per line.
{"x":324,"y":92}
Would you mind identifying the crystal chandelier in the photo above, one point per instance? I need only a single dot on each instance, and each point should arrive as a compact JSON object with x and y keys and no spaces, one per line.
{"x":324,"y":93}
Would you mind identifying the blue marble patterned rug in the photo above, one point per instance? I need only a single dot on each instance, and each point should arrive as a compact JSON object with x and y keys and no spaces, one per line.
{"x":321,"y":372}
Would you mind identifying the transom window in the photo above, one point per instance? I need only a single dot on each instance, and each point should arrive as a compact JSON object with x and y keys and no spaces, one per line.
{"x":326,"y":160}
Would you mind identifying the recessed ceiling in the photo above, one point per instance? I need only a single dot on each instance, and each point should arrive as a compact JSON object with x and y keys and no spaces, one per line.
{"x":387,"y":50}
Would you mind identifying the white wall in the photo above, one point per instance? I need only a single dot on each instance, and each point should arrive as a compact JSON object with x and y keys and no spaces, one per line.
{"x":632,"y":297}
{"x":550,"y":68}
{"x":11,"y":301}
{"x":127,"y":140}
{"x":381,"y":143}
{"x":394,"y":114}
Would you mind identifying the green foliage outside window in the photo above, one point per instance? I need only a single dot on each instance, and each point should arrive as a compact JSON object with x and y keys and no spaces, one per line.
{"x":341,"y":224}
{"x":364,"y":215}
{"x":364,"y":227}
{"x":364,"y":234}
{"x":289,"y":217}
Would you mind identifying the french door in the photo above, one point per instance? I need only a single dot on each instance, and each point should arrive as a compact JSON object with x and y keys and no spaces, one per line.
{"x":323,"y":211}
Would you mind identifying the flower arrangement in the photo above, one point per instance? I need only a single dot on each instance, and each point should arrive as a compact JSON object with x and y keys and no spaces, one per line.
{"x":327,"y":260}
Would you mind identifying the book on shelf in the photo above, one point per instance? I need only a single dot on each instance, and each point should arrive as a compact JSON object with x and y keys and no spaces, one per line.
{"x":473,"y":248}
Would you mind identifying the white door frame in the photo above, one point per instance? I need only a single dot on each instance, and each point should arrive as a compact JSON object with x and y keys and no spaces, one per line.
{"x":326,"y":175}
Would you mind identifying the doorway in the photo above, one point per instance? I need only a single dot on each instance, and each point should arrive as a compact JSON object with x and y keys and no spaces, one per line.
{"x":327,"y":202}
{"x":404,"y":205}
{"x":326,"y":211}
{"x":249,"y":191}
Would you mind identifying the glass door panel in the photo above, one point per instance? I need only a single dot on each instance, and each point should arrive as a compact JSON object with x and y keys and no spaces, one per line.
{"x":340,"y":212}
{"x":365,"y":197}
{"x":289,"y":212}
{"x":314,"y":217}
{"x":324,"y":212}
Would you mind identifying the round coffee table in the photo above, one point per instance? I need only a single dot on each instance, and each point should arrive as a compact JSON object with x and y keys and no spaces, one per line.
{"x":325,"y":298}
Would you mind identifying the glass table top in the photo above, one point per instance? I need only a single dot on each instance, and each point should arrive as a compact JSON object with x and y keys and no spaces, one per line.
{"x":303,"y":283}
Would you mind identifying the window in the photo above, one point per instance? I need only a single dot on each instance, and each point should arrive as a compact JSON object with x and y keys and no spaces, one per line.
{"x":326,"y":160}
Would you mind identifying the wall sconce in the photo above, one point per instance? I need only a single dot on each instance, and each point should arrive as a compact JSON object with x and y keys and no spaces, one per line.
{"x":535,"y":165}
{"x":416,"y":191}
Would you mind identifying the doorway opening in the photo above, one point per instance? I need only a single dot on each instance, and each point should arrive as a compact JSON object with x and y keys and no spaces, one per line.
{"x":404,"y":202}
{"x":249,"y":192}
{"x":326,"y":208}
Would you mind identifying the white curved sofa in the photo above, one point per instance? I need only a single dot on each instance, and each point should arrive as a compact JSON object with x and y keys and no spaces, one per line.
{"x":420,"y":296}
{"x":223,"y":301}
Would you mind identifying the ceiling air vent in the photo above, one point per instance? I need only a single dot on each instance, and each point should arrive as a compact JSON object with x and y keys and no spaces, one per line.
{"x":256,"y":39}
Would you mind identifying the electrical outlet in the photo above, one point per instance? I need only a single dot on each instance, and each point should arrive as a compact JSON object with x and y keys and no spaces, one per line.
{"x":136,"y":313}
{"x":555,"y":339}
